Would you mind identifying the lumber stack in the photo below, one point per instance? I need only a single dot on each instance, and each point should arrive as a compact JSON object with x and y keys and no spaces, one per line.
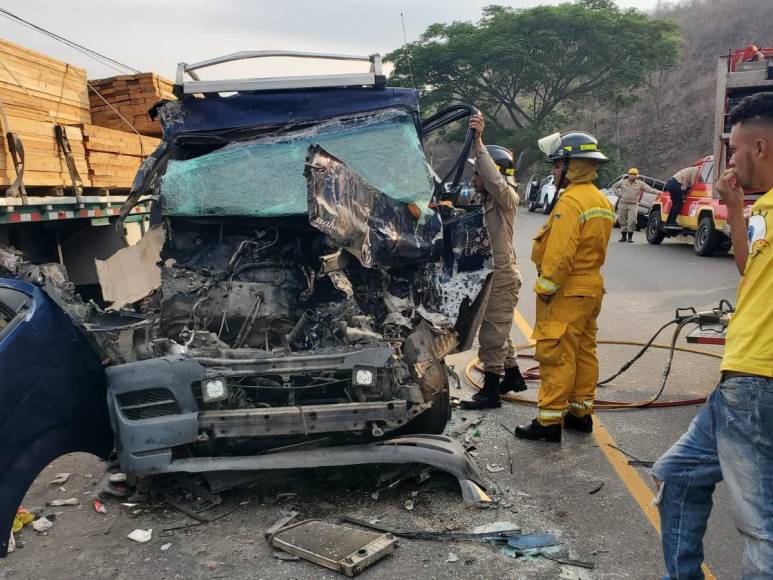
{"x":131,"y":96}
{"x":38,"y":92}
{"x":113,"y":156}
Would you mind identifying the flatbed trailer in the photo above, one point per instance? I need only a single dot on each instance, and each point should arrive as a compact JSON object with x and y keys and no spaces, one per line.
{"x":70,"y":230}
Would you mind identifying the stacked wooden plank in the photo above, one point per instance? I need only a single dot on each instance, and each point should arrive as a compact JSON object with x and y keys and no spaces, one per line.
{"x":131,"y":96}
{"x":113,"y":157}
{"x":38,"y":92}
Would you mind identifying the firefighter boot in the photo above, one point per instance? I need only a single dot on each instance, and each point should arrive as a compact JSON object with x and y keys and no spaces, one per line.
{"x":536,"y":431}
{"x":487,"y":397}
{"x":630,"y":237}
{"x":622,"y":237}
{"x":581,"y":424}
{"x":513,"y":381}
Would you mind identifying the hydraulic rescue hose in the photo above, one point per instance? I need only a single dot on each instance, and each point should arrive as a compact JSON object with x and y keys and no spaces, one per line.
{"x":680,"y":321}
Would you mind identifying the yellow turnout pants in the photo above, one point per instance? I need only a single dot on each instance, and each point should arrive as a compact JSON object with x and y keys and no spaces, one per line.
{"x":565,"y":333}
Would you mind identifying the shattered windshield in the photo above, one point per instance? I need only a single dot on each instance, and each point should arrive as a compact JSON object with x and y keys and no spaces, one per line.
{"x":263,"y":177}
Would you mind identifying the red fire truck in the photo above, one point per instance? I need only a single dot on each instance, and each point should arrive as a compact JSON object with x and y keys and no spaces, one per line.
{"x":703,"y":215}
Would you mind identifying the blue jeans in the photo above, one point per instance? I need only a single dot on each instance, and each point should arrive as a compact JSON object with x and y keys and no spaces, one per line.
{"x":730,"y":438}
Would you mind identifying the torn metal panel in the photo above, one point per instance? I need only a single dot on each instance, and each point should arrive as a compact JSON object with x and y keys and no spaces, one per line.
{"x":375,"y":227}
{"x":132,"y":273}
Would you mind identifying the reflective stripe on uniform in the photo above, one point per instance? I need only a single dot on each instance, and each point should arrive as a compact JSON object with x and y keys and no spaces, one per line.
{"x":550,"y":415}
{"x":586,"y":405}
{"x":545,"y":286}
{"x":597,"y":212}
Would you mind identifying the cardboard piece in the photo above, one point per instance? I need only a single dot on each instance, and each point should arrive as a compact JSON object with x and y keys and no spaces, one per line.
{"x":132,"y":273}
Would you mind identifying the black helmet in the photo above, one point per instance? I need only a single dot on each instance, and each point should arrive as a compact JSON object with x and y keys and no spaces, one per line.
{"x":571,"y":145}
{"x":503,"y":159}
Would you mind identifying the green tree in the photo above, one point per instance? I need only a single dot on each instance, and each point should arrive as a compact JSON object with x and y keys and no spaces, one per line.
{"x":531,"y":70}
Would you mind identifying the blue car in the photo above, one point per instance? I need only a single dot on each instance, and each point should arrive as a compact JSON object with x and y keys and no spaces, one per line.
{"x":53,"y":398}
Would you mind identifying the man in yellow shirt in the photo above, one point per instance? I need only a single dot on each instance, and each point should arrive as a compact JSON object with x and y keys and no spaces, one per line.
{"x":731,"y":438}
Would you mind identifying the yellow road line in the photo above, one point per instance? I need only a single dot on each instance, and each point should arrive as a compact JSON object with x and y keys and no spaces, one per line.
{"x":629,"y":476}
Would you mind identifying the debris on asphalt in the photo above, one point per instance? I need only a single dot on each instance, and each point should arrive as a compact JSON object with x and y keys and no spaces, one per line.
{"x":99,"y":507}
{"x":141,"y":536}
{"x":494,"y":468}
{"x":498,"y":531}
{"x":452,"y":558}
{"x":570,"y":562}
{"x":532,"y":553}
{"x":596,"y":489}
{"x":42,"y":524}
{"x":525,"y":542}
{"x":495,"y":527}
{"x":467,"y":424}
{"x":165,"y":547}
{"x":409,"y":505}
{"x":395,"y":477}
{"x":60,"y":479}
{"x":632,"y":460}
{"x":70,"y":501}
{"x":117,"y":478}
{"x":22,"y":518}
{"x":280,"y":523}
{"x":282,"y":497}
{"x":340,"y":548}
{"x":285,"y":557}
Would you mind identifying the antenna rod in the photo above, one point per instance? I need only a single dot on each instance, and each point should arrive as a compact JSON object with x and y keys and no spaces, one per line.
{"x":405,"y":44}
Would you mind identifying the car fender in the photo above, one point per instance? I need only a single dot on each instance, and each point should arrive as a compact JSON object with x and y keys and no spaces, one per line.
{"x":52,"y":400}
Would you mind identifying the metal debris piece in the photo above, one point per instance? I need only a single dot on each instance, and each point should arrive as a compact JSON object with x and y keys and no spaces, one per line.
{"x":340,"y":548}
{"x":141,"y":536}
{"x":596,"y":489}
{"x":42,"y":524}
{"x":468,"y":422}
{"x":62,"y":502}
{"x":117,"y":478}
{"x":452,"y":558}
{"x":496,"y":527}
{"x":165,"y":547}
{"x":494,"y":468}
{"x":570,"y":562}
{"x":190,"y":495}
{"x":409,"y":505}
{"x":60,"y":479}
{"x":280,"y":523}
{"x":285,"y":557}
{"x":632,"y":461}
{"x":289,"y":496}
{"x":502,"y":535}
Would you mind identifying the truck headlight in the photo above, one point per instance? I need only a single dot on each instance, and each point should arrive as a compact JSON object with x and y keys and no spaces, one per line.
{"x":363,"y":376}
{"x":214,"y":389}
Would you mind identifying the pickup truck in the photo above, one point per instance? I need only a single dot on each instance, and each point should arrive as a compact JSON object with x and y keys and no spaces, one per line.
{"x":702,"y":216}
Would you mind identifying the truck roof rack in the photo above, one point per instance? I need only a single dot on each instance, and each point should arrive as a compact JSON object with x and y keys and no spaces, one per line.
{"x":374,"y":78}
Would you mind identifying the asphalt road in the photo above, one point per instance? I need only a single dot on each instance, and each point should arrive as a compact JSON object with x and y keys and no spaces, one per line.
{"x":538,"y":487}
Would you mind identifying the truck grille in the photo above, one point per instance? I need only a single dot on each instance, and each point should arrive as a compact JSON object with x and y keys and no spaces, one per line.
{"x":148,"y":404}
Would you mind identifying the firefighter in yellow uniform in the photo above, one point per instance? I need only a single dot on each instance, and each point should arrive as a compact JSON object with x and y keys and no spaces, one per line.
{"x":569,"y":252}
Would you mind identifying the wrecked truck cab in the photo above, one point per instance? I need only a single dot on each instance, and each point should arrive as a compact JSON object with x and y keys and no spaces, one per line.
{"x":312,"y":282}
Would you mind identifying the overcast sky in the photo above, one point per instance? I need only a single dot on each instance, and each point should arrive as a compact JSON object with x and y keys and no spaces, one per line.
{"x":154,"y":35}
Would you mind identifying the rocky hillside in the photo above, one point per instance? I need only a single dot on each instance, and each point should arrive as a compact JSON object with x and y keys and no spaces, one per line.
{"x":671,"y":124}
